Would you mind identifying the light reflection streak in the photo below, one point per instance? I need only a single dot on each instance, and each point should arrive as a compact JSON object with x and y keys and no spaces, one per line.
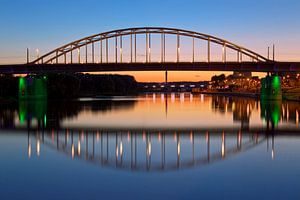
{"x":164,"y":151}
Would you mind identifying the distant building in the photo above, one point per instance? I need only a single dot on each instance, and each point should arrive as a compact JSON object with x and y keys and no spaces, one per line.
{"x":242,"y":74}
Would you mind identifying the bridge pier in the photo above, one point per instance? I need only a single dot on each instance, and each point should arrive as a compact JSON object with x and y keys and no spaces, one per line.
{"x":32,"y":87}
{"x":271,"y":88}
{"x":271,"y":113}
{"x":166,"y":77}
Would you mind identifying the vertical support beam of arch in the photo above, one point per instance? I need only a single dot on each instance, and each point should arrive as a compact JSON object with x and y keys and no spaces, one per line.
{"x":224,"y":53}
{"x":273,"y":52}
{"x":193,"y":58}
{"x":56,"y":57}
{"x":208,"y":50}
{"x":78,"y":55}
{"x":106,"y":49}
{"x":241,"y":56}
{"x":116,"y":49}
{"x":238,"y":55}
{"x":65,"y":58}
{"x":134,"y":47}
{"x":71,"y":56}
{"x":162,"y":48}
{"x":93,"y":52}
{"x":86,"y":53}
{"x":178,"y":48}
{"x":149,"y":49}
{"x":147,"y":43}
{"x":131,"y":47}
{"x":27,"y":54}
{"x":101,"y":43}
{"x":121,"y":49}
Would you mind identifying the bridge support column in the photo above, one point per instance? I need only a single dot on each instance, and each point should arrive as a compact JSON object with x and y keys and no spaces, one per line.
{"x":166,"y":77}
{"x":33,"y":87}
{"x":271,"y":88}
{"x":271,"y":113}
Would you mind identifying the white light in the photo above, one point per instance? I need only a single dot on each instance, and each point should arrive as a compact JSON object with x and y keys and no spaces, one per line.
{"x":38,"y":147}
{"x":78,"y":150}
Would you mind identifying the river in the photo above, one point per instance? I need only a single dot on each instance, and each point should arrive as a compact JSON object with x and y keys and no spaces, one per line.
{"x":150,"y":146}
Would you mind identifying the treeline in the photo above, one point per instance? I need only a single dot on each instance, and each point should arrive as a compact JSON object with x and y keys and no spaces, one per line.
{"x":8,"y":86}
{"x":107,"y":84}
{"x":75,"y":85}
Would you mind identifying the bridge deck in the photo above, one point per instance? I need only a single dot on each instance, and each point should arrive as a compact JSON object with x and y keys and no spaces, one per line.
{"x":169,"y":66}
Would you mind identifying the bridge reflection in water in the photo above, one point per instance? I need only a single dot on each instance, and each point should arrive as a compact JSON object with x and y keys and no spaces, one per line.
{"x":146,"y":150}
{"x":52,"y":115}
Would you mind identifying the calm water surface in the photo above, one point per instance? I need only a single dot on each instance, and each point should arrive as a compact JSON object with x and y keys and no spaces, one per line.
{"x":151,"y":146}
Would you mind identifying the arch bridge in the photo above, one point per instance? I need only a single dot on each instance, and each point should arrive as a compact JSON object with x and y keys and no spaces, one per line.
{"x":151,"y":49}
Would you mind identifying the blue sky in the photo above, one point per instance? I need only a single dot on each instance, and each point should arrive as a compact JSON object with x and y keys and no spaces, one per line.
{"x":46,"y":24}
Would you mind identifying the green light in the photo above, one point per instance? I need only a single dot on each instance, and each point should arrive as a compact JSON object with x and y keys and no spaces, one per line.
{"x":276,"y":82}
{"x":45,"y":120}
{"x":22,"y":117}
{"x":271,"y":88}
{"x":275,"y":118}
{"x":22,"y":87}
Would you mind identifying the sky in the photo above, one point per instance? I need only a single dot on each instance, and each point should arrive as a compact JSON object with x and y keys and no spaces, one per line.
{"x":47,"y":24}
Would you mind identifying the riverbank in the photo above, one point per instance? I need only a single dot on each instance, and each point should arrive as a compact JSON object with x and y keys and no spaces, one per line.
{"x":234,"y":94}
{"x":290,"y":96}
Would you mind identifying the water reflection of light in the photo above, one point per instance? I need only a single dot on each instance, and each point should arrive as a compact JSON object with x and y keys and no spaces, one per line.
{"x":207,"y":136}
{"x":287,"y":112}
{"x":273,"y":148}
{"x":38,"y":147}
{"x":78,"y":150}
{"x":178,"y":148}
{"x":172,"y":97}
{"x":223,"y":145}
{"x":202,"y":98}
{"x":82,"y":135}
{"x":154,"y":97}
{"x":297,"y":117}
{"x":162,"y":97}
{"x":128,"y":136}
{"x":149,"y":148}
{"x":233,"y":106}
{"x":239,"y":138}
{"x":97,"y":136}
{"x":72,"y":151}
{"x":191,"y":97}
{"x":29,"y":149}
{"x":181,"y":97}
{"x":121,"y":148}
{"x":248,"y":109}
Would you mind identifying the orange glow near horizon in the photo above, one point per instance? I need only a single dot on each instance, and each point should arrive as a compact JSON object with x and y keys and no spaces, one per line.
{"x":173,"y":76}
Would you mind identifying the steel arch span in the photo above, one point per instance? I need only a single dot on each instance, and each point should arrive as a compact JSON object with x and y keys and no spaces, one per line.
{"x":83,"y":50}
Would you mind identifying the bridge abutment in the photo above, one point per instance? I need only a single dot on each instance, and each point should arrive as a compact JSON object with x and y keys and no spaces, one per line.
{"x":33,"y":87}
{"x":271,"y":88}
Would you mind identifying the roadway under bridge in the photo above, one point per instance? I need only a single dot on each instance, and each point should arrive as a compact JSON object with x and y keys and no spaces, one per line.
{"x":273,"y":67}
